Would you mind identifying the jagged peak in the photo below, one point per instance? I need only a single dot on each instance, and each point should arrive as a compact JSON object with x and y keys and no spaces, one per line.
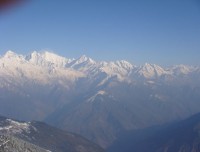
{"x":10,"y":54}
{"x":151,"y":66}
{"x":182,"y":69}
{"x":150,"y":70}
{"x":34,"y":54}
{"x":46,"y":58}
{"x":182,"y":66}
{"x":83,"y":59}
{"x":124,"y":64}
{"x":50,"y":56}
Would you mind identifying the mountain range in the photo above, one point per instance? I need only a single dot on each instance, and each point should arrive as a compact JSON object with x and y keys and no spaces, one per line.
{"x":96,"y":99}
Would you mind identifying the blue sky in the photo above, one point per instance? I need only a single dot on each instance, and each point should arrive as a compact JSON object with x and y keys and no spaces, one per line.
{"x":164,"y":32}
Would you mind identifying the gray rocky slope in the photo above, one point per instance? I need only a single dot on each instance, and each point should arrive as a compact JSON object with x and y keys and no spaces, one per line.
{"x":13,"y":144}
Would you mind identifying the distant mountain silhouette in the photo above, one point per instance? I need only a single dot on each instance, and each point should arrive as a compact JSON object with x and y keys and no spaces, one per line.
{"x":182,"y":136}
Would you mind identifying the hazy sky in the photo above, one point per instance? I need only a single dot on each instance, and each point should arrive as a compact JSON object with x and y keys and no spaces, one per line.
{"x":157,"y":31}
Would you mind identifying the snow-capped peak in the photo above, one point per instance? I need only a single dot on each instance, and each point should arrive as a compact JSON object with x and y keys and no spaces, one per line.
{"x":182,"y":69}
{"x":83,"y":62}
{"x":55,"y":59}
{"x":33,"y":56}
{"x":124,"y":64}
{"x":51,"y":57}
{"x":150,"y":70}
{"x":120,"y":68}
{"x":47,"y":58}
{"x":47,"y":64}
{"x":84,"y":58}
{"x":10,"y":54}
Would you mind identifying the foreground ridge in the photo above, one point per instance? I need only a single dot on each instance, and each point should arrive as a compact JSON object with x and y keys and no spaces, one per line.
{"x":31,"y":136}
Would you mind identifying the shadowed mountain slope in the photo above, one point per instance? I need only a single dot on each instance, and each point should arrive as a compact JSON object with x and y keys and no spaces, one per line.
{"x":182,"y":136}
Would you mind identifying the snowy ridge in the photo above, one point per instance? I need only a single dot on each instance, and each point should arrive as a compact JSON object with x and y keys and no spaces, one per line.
{"x":47,"y":59}
{"x":150,"y":71}
{"x":12,"y":55}
{"x":14,"y":127}
{"x":46,"y":66}
{"x":40,"y":137}
{"x":182,"y":69}
{"x":41,"y":67}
